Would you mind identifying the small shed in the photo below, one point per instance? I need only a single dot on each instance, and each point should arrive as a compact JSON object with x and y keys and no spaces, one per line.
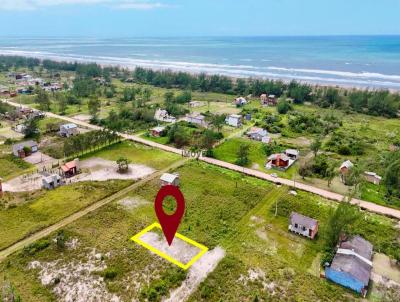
{"x":169,"y":179}
{"x":21,"y":149}
{"x":71,"y":168}
{"x":157,"y":131}
{"x":372,"y":177}
{"x":234,"y":120}
{"x":68,"y":130}
{"x":50,"y":182}
{"x":292,"y":153}
{"x":303,"y":225}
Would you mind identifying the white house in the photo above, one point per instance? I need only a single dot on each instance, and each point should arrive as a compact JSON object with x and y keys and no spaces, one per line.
{"x":169,"y":179}
{"x":163,"y":116}
{"x":234,"y":120}
{"x":292,"y":153}
{"x":197,"y":119}
{"x":68,"y":130}
{"x":257,"y":134}
{"x":240,"y":101}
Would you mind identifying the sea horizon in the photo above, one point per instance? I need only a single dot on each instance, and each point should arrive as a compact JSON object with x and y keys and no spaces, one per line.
{"x":361,"y":61}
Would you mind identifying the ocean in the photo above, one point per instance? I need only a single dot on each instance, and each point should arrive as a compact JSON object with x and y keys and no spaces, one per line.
{"x":359,"y":61}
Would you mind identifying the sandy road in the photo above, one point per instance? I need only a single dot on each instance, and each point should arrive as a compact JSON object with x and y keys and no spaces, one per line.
{"x":64,"y":222}
{"x":369,"y":206}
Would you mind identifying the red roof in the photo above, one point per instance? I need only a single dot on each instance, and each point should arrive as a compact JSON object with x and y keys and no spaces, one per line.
{"x":68,"y":166}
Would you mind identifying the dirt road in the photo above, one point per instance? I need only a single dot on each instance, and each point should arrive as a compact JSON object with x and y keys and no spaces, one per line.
{"x":64,"y":222}
{"x":369,"y":206}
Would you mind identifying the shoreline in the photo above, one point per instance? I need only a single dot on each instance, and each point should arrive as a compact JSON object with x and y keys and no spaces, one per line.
{"x":179,"y":67}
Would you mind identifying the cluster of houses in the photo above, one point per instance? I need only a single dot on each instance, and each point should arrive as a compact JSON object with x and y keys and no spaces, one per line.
{"x":162,"y":115}
{"x":26,"y":83}
{"x":67,"y":170}
{"x":268,"y":100}
{"x":259,"y":134}
{"x":352,"y":265}
{"x":370,"y":177}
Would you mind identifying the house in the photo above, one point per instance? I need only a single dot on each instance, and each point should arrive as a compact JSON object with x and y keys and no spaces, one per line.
{"x":257,"y":133}
{"x":24,"y":149}
{"x":266,"y":140}
{"x":234,"y":120}
{"x":303,"y":225}
{"x":268,"y":100}
{"x":279,"y":161}
{"x":345,"y":169}
{"x":197,"y":119}
{"x":292,"y":153}
{"x":51,"y":181}
{"x":373,"y":178}
{"x":20,"y":128}
{"x":71,"y":168}
{"x":169,"y":179}
{"x":4,"y":91}
{"x":157,"y":131}
{"x":240,"y":101}
{"x":195,"y":104}
{"x":163,"y":116}
{"x":68,"y":130}
{"x":352,"y":265}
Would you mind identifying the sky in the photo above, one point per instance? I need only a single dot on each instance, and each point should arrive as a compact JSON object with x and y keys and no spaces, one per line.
{"x":159,"y":18}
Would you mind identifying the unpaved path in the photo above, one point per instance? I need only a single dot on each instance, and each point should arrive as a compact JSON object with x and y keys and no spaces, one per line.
{"x":369,"y":206}
{"x":197,"y":274}
{"x":64,"y":222}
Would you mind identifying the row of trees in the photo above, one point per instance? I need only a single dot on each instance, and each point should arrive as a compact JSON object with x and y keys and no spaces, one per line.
{"x":380,"y":102}
{"x":90,"y":141}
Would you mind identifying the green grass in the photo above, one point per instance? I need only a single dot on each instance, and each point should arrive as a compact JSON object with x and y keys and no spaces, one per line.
{"x":12,"y":167}
{"x":235,"y":213}
{"x":138,"y":154}
{"x":20,"y":221}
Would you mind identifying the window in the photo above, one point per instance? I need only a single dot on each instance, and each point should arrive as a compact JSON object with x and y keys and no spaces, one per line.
{"x":304,"y":228}
{"x":296,"y":225}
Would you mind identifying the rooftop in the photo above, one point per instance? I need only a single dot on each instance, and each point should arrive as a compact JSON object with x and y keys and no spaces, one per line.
{"x":308,"y":222}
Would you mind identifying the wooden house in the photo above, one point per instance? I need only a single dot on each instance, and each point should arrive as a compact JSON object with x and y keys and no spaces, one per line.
{"x":303,"y":225}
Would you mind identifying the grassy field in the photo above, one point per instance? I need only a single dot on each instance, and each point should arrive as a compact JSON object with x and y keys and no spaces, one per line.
{"x":138,"y":154}
{"x":262,"y":259}
{"x":22,"y":220}
{"x":12,"y":167}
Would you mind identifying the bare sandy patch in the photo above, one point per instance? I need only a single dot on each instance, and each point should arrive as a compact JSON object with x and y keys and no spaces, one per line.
{"x":257,"y":274}
{"x":386,"y":268}
{"x":197,"y":274}
{"x":179,"y":250}
{"x":98,"y":169}
{"x":130,"y":203}
{"x":24,"y":183}
{"x":75,"y":281}
{"x":82,"y":117}
{"x":39,"y":158}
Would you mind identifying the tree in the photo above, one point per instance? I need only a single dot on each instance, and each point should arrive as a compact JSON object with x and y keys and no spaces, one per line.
{"x":331,"y":173}
{"x":31,"y":128}
{"x":60,"y":240}
{"x":392,"y":178}
{"x":42,"y":98}
{"x":243,"y":155}
{"x":123,"y":165}
{"x":283,"y":107}
{"x":62,"y":102}
{"x":94,"y":108}
{"x":338,"y":223}
{"x":147,"y":92}
{"x":315,"y":146}
{"x":304,"y":170}
{"x":217,"y":121}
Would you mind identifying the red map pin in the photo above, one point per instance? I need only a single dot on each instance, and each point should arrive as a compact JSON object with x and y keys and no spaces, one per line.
{"x":170,"y":223}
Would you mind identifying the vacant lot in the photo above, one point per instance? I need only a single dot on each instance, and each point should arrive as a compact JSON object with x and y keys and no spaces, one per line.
{"x":137,"y":154}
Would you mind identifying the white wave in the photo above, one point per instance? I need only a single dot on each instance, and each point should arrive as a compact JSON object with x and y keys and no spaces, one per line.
{"x":223,"y":69}
{"x":340,"y":73}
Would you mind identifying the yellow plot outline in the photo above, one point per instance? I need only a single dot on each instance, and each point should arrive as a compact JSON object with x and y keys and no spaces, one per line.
{"x":203,"y":249}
